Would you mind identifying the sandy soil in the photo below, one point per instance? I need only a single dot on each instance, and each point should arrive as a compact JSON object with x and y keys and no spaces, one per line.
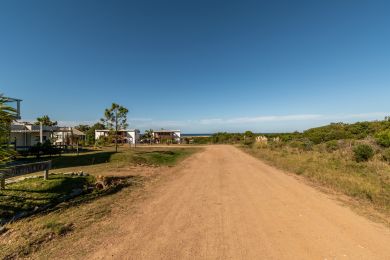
{"x":224,"y":204}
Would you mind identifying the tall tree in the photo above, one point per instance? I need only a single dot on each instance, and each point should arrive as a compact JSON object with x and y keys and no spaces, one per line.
{"x":149,"y":135}
{"x":45,"y":120}
{"x":83,"y":128}
{"x":90,"y":134}
{"x":115,"y":118}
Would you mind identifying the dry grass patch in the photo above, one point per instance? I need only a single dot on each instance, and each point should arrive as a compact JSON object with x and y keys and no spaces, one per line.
{"x":29,"y":235}
{"x":85,"y":218}
{"x":368,"y":182}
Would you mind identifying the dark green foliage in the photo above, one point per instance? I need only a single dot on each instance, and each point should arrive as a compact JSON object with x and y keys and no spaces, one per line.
{"x":363,"y":152}
{"x":285,"y":137}
{"x":90,"y":133}
{"x":383,"y":138}
{"x":338,"y":131}
{"x":115,"y":118}
{"x":226,"y":138}
{"x":249,"y":141}
{"x":302,"y":144}
{"x":334,"y":131}
{"x":45,"y":120}
{"x":200,"y":140}
{"x":83,"y":128}
{"x":249,"y":134}
{"x":30,"y":193}
{"x":332,"y":145}
{"x":44,"y":149}
{"x":6,"y":118}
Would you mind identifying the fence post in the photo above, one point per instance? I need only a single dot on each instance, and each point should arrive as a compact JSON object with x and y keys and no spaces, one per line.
{"x":46,"y":171}
{"x":46,"y":174}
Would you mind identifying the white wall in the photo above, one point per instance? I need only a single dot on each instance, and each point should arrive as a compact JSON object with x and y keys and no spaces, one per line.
{"x":28,"y":139}
{"x":132,"y":135}
{"x":177,"y":135}
{"x":99,"y":134}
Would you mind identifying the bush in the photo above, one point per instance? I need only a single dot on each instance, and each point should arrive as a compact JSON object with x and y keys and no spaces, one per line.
{"x":383,"y":138}
{"x":303,"y":144}
{"x":363,"y":152}
{"x":44,"y":149}
{"x":248,"y":141}
{"x":332,"y":145}
{"x":386,"y":155}
{"x":259,"y":145}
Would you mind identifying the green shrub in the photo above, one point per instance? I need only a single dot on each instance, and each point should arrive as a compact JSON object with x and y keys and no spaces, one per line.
{"x":386,"y":155}
{"x":383,"y":138}
{"x":304,"y":144}
{"x":363,"y":152}
{"x":332,"y":145}
{"x":249,"y":141}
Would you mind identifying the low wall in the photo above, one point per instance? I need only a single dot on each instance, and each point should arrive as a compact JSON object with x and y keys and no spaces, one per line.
{"x":23,"y":169}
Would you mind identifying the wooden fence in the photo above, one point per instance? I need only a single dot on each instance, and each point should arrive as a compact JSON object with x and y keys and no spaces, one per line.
{"x":23,"y":169}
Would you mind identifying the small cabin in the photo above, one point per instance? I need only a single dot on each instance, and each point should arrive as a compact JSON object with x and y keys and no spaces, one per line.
{"x":129,"y":136}
{"x":166,"y":136}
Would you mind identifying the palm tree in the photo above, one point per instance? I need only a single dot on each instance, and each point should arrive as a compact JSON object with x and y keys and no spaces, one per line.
{"x":7,"y":115}
{"x":45,"y":120}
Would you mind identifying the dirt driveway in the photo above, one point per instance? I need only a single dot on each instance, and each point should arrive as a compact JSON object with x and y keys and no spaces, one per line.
{"x":225,"y":204}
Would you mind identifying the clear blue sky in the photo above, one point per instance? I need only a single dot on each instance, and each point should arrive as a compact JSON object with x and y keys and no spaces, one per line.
{"x":201,"y":66}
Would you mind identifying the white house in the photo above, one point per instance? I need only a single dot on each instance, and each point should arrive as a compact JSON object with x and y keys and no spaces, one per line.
{"x":130,"y":136}
{"x":67,"y":136}
{"x":161,"y":136}
{"x":24,"y":135}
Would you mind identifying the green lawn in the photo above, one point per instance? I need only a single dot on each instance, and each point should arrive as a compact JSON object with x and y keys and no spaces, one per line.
{"x":161,"y":157}
{"x":35,"y":192}
{"x":98,"y":160}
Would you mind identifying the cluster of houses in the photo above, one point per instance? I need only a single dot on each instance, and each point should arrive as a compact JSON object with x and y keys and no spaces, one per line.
{"x":133,"y":136}
{"x":25,"y":135}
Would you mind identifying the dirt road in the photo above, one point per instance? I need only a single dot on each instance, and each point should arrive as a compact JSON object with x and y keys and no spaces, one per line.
{"x":224,"y":204}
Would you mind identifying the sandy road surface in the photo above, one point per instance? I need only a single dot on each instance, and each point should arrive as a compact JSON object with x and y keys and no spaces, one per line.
{"x":224,"y":204}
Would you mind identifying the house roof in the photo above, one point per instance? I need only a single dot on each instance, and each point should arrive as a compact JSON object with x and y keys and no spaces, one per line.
{"x":77,"y":132}
{"x":30,"y":128}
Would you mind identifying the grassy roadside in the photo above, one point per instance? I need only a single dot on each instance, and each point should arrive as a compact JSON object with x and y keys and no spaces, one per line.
{"x":30,"y":194}
{"x":368,"y":182}
{"x":80,"y":216}
{"x":95,"y":162}
{"x":32,"y":234}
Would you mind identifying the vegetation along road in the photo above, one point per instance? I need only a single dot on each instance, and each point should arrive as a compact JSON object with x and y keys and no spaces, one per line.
{"x":222,"y":203}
